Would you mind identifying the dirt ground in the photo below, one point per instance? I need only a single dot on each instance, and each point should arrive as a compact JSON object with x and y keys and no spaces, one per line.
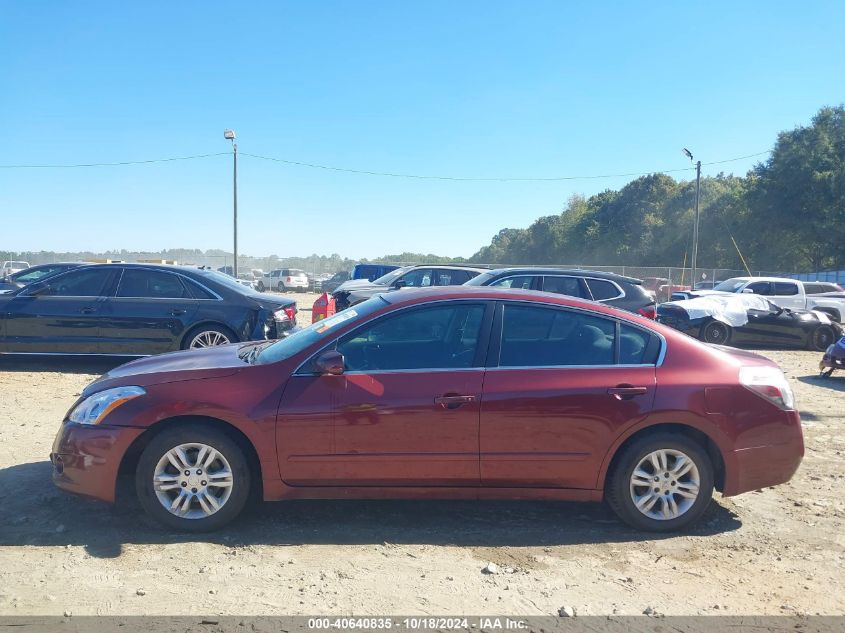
{"x":776,"y":551}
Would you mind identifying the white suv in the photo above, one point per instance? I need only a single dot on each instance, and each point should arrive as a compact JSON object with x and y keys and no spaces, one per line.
{"x":10,"y":268}
{"x":283,"y":279}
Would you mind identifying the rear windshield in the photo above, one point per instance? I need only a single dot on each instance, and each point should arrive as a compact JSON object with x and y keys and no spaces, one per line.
{"x":321,"y":330}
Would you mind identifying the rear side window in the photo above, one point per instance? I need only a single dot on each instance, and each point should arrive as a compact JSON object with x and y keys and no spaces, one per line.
{"x":197,"y":291}
{"x":546,"y":337}
{"x":150,"y":284}
{"x":603,"y":289}
{"x":570,"y":286}
{"x":525,"y":282}
{"x":783,"y":288}
{"x":452,"y":277}
{"x":634,"y":345}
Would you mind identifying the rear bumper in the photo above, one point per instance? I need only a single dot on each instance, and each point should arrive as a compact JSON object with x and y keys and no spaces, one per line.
{"x":86,"y":459}
{"x":763,"y":466}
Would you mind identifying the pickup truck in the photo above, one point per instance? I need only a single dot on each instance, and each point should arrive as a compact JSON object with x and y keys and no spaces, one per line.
{"x":11,"y":267}
{"x":783,"y":292}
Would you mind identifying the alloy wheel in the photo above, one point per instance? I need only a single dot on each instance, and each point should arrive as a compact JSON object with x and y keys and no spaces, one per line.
{"x":193,"y":481}
{"x":665,"y":484}
{"x":209,"y":338}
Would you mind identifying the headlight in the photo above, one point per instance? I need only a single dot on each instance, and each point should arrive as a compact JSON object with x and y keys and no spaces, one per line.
{"x":97,"y":406}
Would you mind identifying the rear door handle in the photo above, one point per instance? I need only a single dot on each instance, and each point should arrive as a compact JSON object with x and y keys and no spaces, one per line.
{"x":177,"y":312}
{"x":88,"y":310}
{"x":626,"y":392}
{"x":453,"y":401}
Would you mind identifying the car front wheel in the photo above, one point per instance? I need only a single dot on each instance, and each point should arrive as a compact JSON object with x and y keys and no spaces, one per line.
{"x":193,"y":478}
{"x":661,"y":483}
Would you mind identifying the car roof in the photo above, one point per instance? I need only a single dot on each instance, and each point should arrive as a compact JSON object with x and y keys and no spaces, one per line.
{"x":575,"y":272}
{"x":433,"y":293}
{"x":448,"y":267}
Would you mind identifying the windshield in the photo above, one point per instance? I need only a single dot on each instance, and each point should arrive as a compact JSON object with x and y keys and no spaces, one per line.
{"x":321,"y":330}
{"x":393,"y":275}
{"x":731,"y":285}
{"x":481,"y":280}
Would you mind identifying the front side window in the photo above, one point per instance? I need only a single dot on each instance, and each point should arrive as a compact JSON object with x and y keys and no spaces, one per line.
{"x":452,"y":277}
{"x":420,"y":278}
{"x":83,"y":283}
{"x":525,"y":282}
{"x":759,"y":288}
{"x":570,"y":286}
{"x":547,"y":337}
{"x":441,"y":337}
{"x":602,"y":289}
{"x":150,"y":284}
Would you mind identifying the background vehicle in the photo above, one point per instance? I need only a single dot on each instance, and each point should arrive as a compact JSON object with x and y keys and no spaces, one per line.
{"x":782,"y":291}
{"x":246,"y":279}
{"x":749,"y":319}
{"x":11,"y":267}
{"x":302,"y":415}
{"x":621,"y":292}
{"x":137,"y":309}
{"x":371,"y":272}
{"x":34,"y":273}
{"x":834,"y":358}
{"x":351,"y":292}
{"x":283,"y":279}
{"x":333,"y":282}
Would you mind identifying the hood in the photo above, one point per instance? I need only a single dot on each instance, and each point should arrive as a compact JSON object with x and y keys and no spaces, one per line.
{"x":359,"y":284}
{"x":211,"y":362}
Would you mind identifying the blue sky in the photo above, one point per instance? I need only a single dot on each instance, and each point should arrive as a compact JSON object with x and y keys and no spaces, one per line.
{"x":472,"y":89}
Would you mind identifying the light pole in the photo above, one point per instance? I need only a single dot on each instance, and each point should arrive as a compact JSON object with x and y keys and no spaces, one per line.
{"x":230,"y":134}
{"x":695,"y":223}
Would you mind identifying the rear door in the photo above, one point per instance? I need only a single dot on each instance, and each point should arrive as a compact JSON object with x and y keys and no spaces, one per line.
{"x":65,"y":318}
{"x":561,"y":385}
{"x":787,"y":294}
{"x":148,"y":314}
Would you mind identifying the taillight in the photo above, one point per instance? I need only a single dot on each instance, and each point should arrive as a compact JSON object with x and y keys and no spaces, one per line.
{"x":649,"y":312}
{"x":288,"y":279}
{"x":769,"y":383}
{"x":291,"y":312}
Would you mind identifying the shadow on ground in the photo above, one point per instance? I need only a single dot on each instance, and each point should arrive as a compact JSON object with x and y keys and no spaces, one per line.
{"x":63,"y":364}
{"x":36,"y":514}
{"x":835,"y":382}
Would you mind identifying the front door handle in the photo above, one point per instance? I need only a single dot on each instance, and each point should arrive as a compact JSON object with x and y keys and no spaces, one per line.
{"x":453,"y":401}
{"x":88,"y":310}
{"x":626,"y":392}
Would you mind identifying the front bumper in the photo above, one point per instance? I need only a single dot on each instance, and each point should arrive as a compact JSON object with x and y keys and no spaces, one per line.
{"x":86,"y":459}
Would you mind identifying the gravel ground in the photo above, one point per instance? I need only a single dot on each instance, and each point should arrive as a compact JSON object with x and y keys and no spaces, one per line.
{"x":776,"y":551}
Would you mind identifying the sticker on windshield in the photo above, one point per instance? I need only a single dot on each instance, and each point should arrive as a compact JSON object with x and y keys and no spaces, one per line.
{"x":337,"y":319}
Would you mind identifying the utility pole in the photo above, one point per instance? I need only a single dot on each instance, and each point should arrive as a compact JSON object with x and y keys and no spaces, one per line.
{"x":695,"y":222}
{"x":230,"y":135}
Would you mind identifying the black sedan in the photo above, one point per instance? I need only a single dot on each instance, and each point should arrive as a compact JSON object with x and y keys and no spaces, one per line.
{"x":749,"y":320}
{"x":137,"y":309}
{"x":625,"y":293}
{"x":35,"y":273}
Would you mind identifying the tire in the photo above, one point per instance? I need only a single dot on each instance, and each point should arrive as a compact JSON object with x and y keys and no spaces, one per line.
{"x":820,"y":338}
{"x":716,"y":333}
{"x":210,"y":335}
{"x":659,"y":515}
{"x":198,"y":512}
{"x":260,"y":286}
{"x":280,"y":287}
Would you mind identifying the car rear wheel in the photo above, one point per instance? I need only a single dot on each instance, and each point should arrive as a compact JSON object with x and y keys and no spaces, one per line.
{"x":280,"y":287}
{"x":821,"y":338}
{"x":193,"y":478}
{"x":716,"y":333}
{"x":260,"y":286}
{"x":208,"y":336}
{"x":661,"y":483}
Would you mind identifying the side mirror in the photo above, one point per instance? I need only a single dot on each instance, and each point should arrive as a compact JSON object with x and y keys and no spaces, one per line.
{"x":329,"y":362}
{"x":747,"y":291}
{"x":400,"y":283}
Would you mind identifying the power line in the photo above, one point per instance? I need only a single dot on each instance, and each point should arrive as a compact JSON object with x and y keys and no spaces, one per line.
{"x":126,"y":162}
{"x":378,"y":173}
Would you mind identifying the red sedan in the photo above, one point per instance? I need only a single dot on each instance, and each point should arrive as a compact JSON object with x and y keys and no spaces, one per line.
{"x":444,"y":392}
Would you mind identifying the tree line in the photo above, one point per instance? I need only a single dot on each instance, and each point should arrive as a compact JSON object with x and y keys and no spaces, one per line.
{"x":787,"y":213}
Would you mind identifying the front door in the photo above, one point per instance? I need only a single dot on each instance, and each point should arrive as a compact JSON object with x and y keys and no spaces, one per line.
{"x":560,"y":386}
{"x":60,"y":316}
{"x":405,"y":412}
